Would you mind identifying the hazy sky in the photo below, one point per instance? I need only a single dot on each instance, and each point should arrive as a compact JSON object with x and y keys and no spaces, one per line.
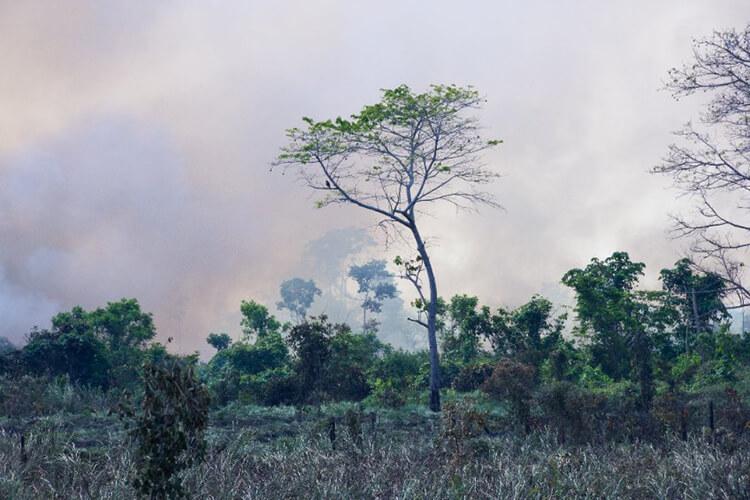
{"x":135,"y":142}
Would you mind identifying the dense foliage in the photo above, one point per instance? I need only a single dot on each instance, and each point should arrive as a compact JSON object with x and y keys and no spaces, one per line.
{"x":102,"y":348}
{"x":625,"y":345}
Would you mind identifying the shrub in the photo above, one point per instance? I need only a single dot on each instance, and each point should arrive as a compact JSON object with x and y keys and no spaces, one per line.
{"x":401,"y":369}
{"x":82,"y":357}
{"x":387,"y":394}
{"x":271,"y":387}
{"x":672,"y":412}
{"x":348,"y":383}
{"x":28,"y":396}
{"x":460,"y":424}
{"x":513,"y":382}
{"x":734,"y":413}
{"x":685,"y":368}
{"x":577,"y":413}
{"x":471,"y":377}
{"x":170,"y":428}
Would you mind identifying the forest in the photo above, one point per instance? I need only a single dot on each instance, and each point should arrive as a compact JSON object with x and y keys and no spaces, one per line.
{"x":631,"y":391}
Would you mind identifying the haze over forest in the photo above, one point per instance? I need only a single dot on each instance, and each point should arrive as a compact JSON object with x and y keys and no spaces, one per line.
{"x":135,"y":145}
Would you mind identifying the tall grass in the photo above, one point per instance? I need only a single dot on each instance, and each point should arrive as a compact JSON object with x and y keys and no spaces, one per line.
{"x":254,"y":461}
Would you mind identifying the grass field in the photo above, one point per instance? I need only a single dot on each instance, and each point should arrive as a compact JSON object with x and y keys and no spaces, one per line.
{"x":284,"y":452}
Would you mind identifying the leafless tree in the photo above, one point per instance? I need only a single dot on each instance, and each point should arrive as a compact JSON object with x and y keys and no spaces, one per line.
{"x":711,"y":163}
{"x":396,"y":159}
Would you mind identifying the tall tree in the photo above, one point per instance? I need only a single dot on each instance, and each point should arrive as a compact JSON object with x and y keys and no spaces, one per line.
{"x":375,"y":285}
{"x":711,"y":162}
{"x":696,"y":297}
{"x":297,"y":295}
{"x":219,"y":341}
{"x":397,"y":158}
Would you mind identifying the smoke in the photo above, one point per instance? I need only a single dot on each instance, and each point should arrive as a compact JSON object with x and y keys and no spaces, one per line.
{"x":327,"y":261}
{"x":135,"y":144}
{"x":103,"y":212}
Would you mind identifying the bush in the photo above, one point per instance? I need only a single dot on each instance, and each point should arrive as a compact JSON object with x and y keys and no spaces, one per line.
{"x":685,"y":368}
{"x":577,"y":413}
{"x":170,"y":427}
{"x":671,"y":410}
{"x":348,"y":383}
{"x":460,"y":424}
{"x":271,"y":387}
{"x":733,"y":413}
{"x":471,"y":377}
{"x":513,"y":382}
{"x":82,"y":357}
{"x":224,"y":385}
{"x":387,"y":394}
{"x":401,"y":368}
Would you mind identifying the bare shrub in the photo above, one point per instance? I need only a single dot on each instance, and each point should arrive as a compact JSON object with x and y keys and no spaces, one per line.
{"x":471,"y":377}
{"x":461,"y":423}
{"x":514,"y":383}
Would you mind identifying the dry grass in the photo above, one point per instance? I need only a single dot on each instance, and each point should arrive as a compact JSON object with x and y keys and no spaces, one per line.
{"x":285,"y":454}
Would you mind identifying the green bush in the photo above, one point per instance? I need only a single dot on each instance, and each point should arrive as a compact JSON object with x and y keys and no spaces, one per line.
{"x":170,"y":427}
{"x":270,"y":387}
{"x":385,"y":393}
{"x":685,"y":368}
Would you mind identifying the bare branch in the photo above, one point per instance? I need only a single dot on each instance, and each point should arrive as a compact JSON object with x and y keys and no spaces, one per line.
{"x":717,"y":159}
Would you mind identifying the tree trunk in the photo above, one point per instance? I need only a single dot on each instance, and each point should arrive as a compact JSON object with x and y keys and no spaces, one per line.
{"x":431,"y":323}
{"x":696,"y":320}
{"x":432,"y":339}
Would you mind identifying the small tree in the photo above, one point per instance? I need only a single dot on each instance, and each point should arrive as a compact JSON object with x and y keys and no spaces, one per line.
{"x":297,"y":295}
{"x":256,"y":320}
{"x":123,"y":325}
{"x":375,"y":284}
{"x":116,"y":335}
{"x":219,"y":341}
{"x":311,"y":342}
{"x":528,"y":333}
{"x":78,"y":354}
{"x":465,"y":323}
{"x":605,"y":306}
{"x":396,"y":158}
{"x":126,"y":330}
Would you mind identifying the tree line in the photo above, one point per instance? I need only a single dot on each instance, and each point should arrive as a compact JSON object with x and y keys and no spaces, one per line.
{"x":621,"y":335}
